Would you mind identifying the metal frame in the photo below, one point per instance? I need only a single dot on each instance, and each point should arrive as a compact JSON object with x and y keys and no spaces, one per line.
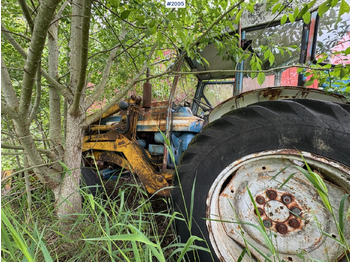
{"x":200,"y":92}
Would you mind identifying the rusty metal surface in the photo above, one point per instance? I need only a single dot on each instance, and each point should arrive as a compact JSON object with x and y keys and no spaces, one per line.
{"x":155,"y":182}
{"x":135,"y":160}
{"x":109,"y":136}
{"x":154,"y":120}
{"x":293,"y":214}
{"x":272,"y":93}
{"x":147,"y":95}
{"x":103,"y":146}
{"x":121,"y":137}
{"x":100,"y":127}
{"x":112,"y":157}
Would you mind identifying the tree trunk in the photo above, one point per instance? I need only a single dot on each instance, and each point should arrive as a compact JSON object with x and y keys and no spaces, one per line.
{"x":67,"y":195}
{"x":55,"y":108}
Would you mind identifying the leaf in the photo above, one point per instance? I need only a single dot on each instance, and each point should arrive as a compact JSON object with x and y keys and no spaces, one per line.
{"x":276,"y":8}
{"x":307,"y":17}
{"x":296,"y":13}
{"x":261,"y":78}
{"x":125,"y":14}
{"x":241,"y":256}
{"x":238,"y":16}
{"x":192,"y":203}
{"x":250,"y":7}
{"x":159,"y":39}
{"x":321,"y":58}
{"x":283,"y":19}
{"x":299,"y":70}
{"x":341,"y":215}
{"x":172,"y":16}
{"x":291,"y":18}
{"x":310,"y":82}
{"x":20,"y":243}
{"x":327,"y":66}
{"x":303,"y":11}
{"x":344,"y":8}
{"x":286,"y":181}
{"x":323,"y":9}
{"x":347,"y":51}
{"x":65,"y":168}
{"x":271,"y":59}
{"x":334,"y":3}
{"x":267,"y":54}
{"x":343,"y":72}
{"x":187,"y":246}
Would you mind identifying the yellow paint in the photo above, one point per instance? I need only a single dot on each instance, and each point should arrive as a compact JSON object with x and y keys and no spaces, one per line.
{"x":135,"y":160}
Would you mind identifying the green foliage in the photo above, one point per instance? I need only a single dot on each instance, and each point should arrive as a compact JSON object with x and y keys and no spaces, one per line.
{"x":121,"y":222}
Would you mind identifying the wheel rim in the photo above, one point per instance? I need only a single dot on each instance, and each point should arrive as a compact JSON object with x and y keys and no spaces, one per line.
{"x":293,"y":215}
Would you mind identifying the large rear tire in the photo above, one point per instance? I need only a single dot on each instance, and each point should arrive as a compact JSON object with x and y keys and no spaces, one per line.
{"x":247,"y":148}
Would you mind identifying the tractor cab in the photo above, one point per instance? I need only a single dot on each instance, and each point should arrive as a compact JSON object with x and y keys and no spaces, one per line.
{"x":268,"y":46}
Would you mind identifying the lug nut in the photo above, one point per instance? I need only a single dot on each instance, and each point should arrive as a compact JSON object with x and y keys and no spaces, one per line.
{"x":295,"y":211}
{"x":260,"y":200}
{"x":267,"y":223}
{"x":294,"y":223}
{"x":271,"y":194}
{"x":281,"y":228}
{"x":287,"y":199}
{"x":261,"y":211}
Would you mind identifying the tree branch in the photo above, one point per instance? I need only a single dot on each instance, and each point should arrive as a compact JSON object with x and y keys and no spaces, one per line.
{"x":26,"y":14}
{"x":83,"y":43}
{"x":36,"y":104}
{"x":104,"y":51}
{"x":209,"y":28}
{"x":41,"y":26}
{"x":17,"y":34}
{"x":67,"y":94}
{"x":8,"y":110}
{"x":95,"y":116}
{"x":101,"y":86}
{"x":43,"y":151}
{"x":60,"y":11}
{"x":119,"y":40}
{"x":7,"y":89}
{"x":171,"y":72}
{"x":114,"y":13}
{"x":13,"y":41}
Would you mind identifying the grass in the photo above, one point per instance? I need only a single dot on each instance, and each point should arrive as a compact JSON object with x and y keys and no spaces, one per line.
{"x":123,"y":223}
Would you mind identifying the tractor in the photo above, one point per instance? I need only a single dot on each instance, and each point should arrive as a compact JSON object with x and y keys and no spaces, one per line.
{"x":245,"y":151}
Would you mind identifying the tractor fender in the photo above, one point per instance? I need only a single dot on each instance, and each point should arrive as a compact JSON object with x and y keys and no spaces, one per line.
{"x":273,"y":93}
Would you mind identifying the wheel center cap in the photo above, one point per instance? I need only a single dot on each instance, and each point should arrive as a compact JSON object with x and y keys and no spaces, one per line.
{"x":276,"y":211}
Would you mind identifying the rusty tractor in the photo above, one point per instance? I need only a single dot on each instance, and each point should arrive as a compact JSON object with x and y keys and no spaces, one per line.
{"x":245,"y":175}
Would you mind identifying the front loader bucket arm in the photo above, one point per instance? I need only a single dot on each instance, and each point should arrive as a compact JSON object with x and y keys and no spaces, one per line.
{"x":136,"y":161}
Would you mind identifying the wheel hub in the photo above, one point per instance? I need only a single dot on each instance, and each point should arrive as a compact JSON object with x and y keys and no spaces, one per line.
{"x":292,"y":214}
{"x":279,"y":211}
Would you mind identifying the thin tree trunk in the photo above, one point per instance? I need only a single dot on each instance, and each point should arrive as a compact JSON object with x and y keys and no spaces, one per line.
{"x":68,"y":198}
{"x":55,"y":131}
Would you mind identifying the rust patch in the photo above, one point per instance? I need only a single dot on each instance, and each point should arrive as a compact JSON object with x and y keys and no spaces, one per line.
{"x":271,"y":93}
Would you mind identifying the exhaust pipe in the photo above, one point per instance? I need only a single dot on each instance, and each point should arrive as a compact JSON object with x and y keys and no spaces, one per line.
{"x":147,"y":93}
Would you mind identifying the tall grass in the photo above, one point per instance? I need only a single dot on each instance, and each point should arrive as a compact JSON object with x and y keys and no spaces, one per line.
{"x":121,"y":223}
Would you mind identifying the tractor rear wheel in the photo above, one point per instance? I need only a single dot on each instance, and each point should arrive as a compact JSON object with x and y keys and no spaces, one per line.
{"x":254,"y":153}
